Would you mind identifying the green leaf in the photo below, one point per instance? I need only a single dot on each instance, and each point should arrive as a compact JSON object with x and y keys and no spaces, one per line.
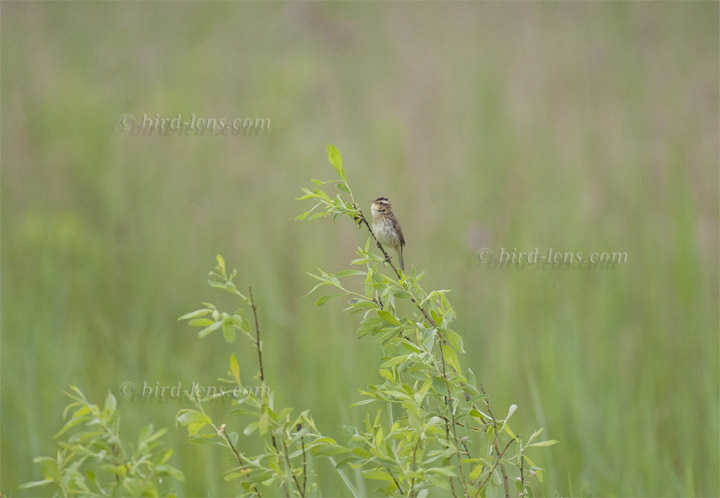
{"x":193,"y":420}
{"x":451,"y":358}
{"x":69,"y":425}
{"x":362,"y":402}
{"x":456,"y":341}
{"x":318,"y":215}
{"x":535,"y":434}
{"x":479,"y":415}
{"x":446,"y":471}
{"x":325,"y":299}
{"x":395,"y":360}
{"x":195,"y":314}
{"x":336,"y":161}
{"x":475,"y":472}
{"x":362,"y":453}
{"x":541,"y":444}
{"x":35,"y":484}
{"x":209,"y":329}
{"x":235,"y":368}
{"x":307,"y":192}
{"x":377,"y":474}
{"x":119,"y":470}
{"x":387,"y":374}
{"x":236,"y":474}
{"x":389,"y":317}
{"x":221,"y":263}
{"x":110,"y":404}
{"x":250,"y":428}
{"x":201,"y":322}
{"x":154,"y":437}
{"x":509,"y":431}
{"x":349,"y":273}
{"x":511,"y":410}
{"x":361,"y":305}
{"x":307,"y":213}
{"x":228,"y":330}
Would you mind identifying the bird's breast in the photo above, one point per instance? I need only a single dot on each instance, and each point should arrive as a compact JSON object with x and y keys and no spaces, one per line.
{"x":383,"y":232}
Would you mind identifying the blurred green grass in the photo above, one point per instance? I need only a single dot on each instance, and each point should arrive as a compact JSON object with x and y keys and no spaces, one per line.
{"x":581,"y":127}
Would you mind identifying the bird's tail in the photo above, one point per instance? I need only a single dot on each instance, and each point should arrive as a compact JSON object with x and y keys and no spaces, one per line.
{"x":400,"y":257}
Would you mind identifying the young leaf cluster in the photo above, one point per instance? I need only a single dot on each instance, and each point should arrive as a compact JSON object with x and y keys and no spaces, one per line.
{"x":287,"y":439}
{"x":430,"y":433}
{"x":97,"y":462}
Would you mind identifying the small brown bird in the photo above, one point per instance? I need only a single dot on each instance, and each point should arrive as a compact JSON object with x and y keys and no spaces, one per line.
{"x":386,"y":227}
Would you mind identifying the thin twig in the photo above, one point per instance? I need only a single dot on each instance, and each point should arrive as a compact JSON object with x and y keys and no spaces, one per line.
{"x":396,"y":481}
{"x":448,"y":402}
{"x":499,"y":453}
{"x":447,"y":460}
{"x":522,"y":472}
{"x":414,"y":467}
{"x":257,"y":335}
{"x":277,"y":451}
{"x":304,"y":484}
{"x":467,"y":451}
{"x":260,"y":365}
{"x":485,"y":481}
{"x":290,"y":468}
{"x":223,"y":431}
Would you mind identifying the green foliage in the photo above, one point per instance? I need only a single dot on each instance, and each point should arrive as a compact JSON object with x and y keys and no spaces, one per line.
{"x":429,"y":431}
{"x":433,"y":430}
{"x":287,"y":439}
{"x":97,"y":462}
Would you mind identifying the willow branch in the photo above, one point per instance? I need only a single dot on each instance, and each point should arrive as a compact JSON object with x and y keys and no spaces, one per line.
{"x":498,"y":452}
{"x":487,"y":478}
{"x":257,"y":336}
{"x":292,"y":473}
{"x":223,"y":432}
{"x":414,"y":467}
{"x":431,"y":321}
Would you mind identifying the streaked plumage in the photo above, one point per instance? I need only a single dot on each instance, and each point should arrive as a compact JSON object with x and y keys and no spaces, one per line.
{"x":386,"y":227}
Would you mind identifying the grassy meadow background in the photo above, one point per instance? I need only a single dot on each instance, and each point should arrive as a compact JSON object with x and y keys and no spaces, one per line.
{"x":572,"y":126}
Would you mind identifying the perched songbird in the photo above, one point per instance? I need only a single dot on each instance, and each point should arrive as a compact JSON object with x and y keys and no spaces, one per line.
{"x":386,"y":227}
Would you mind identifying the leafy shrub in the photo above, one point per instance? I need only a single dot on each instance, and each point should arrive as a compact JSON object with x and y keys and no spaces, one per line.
{"x":433,"y":432}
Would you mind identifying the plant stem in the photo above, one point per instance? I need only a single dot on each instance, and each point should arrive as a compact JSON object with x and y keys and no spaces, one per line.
{"x":257,"y":336}
{"x":485,"y":481}
{"x":499,"y":453}
{"x":414,"y":467}
{"x":304,"y":484}
{"x":290,"y":468}
{"x":223,"y":431}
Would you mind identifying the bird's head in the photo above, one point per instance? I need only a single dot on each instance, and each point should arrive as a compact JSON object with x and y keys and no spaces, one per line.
{"x":381,"y":205}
